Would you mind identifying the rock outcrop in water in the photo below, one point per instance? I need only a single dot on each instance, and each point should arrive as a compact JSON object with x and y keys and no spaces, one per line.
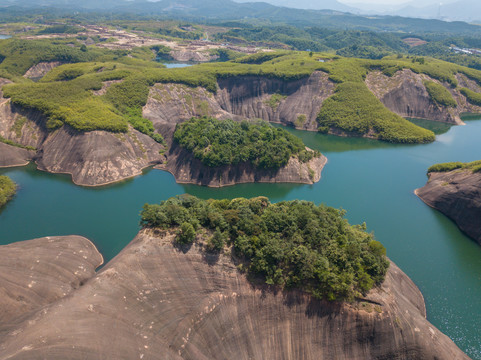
{"x":457,"y":194}
{"x":189,"y":170}
{"x":155,"y":300}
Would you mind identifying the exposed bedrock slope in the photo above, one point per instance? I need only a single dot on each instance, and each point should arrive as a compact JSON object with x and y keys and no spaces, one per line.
{"x":457,"y":194}
{"x":14,"y":156}
{"x":38,"y":272}
{"x":98,"y":157}
{"x":154,"y":299}
{"x":92,"y":158}
{"x":405,"y":94}
{"x":249,"y":96}
{"x":39,"y":70}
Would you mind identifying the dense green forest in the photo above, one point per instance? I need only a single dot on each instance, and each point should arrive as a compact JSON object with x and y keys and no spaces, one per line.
{"x":355,"y":109}
{"x":474,"y":166}
{"x":7,"y":190}
{"x":226,"y":142}
{"x":291,"y":244}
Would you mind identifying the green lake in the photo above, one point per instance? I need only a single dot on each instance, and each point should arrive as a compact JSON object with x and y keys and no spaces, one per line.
{"x":373,"y":181}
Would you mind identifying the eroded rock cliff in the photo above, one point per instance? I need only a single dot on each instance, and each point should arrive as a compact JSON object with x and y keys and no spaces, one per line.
{"x":187,"y":169}
{"x":170,"y":104}
{"x":155,"y":300}
{"x":251,"y":97}
{"x":457,"y":194}
{"x":405,"y":94}
{"x":92,"y":158}
{"x":39,"y":70}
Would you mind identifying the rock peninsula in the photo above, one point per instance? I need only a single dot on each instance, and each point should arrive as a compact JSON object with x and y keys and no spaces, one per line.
{"x":457,"y":194}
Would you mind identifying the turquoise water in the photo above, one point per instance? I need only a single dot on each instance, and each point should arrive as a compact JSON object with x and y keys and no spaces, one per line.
{"x":373,"y":181}
{"x":173,"y":65}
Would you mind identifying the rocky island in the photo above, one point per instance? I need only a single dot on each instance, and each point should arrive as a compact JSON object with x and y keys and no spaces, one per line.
{"x":189,"y":298}
{"x":455,"y":190}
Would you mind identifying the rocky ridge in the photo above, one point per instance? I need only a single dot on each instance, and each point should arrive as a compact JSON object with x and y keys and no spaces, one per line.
{"x":295,"y":103}
{"x":154,"y":298}
{"x":457,"y":194}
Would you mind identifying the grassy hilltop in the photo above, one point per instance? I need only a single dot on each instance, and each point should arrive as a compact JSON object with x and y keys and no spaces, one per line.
{"x":65,"y":95}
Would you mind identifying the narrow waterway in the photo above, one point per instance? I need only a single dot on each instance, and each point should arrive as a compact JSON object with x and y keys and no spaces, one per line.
{"x":373,"y":181}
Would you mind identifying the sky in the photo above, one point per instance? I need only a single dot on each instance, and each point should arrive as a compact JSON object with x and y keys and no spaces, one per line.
{"x":384,"y":2}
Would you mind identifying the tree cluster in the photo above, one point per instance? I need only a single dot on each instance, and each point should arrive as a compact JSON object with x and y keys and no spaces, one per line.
{"x":291,"y":244}
{"x":226,"y":142}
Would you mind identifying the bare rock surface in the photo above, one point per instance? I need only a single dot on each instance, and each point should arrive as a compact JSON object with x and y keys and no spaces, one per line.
{"x":457,"y":194}
{"x":39,"y":70}
{"x":98,"y":157}
{"x":248,"y":96}
{"x":14,"y":156}
{"x":186,"y":55}
{"x":186,"y":169}
{"x":38,"y":272}
{"x":405,"y":94}
{"x":157,"y":301}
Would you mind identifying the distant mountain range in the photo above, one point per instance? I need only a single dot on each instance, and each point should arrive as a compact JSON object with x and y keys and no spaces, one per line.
{"x":450,"y":10}
{"x":257,"y":13}
{"x":310,"y":4}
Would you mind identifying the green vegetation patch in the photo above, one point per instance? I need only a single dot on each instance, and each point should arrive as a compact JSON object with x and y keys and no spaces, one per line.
{"x":226,"y":142}
{"x":18,"y":126}
{"x":60,"y":29}
{"x":7,"y":190}
{"x":20,"y":55}
{"x":13,"y":143}
{"x":68,"y":102}
{"x":474,"y":166}
{"x":472,"y":96}
{"x":274,"y":101}
{"x":439,"y":94}
{"x":291,"y":244}
{"x":353,"y":108}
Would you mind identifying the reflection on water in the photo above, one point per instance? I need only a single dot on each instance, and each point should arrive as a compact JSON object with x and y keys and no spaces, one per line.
{"x":331,"y":143}
{"x":436,"y":127}
{"x":276,"y":193}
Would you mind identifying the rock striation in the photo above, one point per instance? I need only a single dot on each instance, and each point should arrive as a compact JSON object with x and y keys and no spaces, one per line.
{"x":457,"y":194}
{"x":154,"y":298}
{"x":38,"y":272}
{"x":91,"y":158}
{"x":39,"y":70}
{"x":405,"y":94}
